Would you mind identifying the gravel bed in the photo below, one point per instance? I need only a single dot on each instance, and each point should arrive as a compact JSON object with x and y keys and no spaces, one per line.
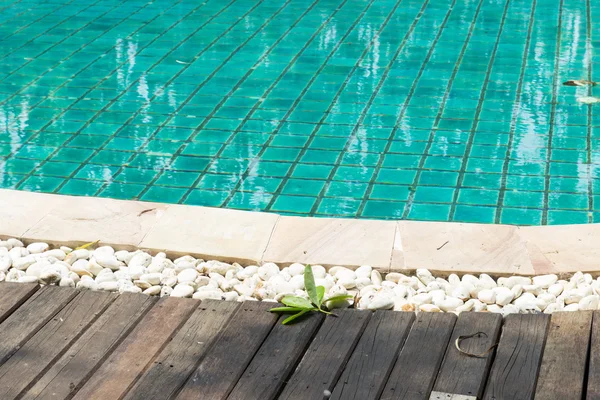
{"x":103,"y":268}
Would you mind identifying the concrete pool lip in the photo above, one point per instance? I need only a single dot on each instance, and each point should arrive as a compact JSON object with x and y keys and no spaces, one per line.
{"x":256,"y":237}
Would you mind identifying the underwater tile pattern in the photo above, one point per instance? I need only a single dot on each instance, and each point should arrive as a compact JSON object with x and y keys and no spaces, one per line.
{"x":440,"y":110}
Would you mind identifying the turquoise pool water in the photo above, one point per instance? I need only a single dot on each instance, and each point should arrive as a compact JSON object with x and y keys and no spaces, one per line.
{"x":439,"y":110}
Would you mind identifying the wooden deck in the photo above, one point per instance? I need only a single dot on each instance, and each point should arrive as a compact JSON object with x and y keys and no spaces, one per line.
{"x":58,"y":343}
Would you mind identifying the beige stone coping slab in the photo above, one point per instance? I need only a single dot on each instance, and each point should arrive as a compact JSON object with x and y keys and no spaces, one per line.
{"x":256,"y":237}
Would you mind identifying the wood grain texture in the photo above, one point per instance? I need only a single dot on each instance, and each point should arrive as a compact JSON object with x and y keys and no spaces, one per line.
{"x":562,"y":373}
{"x":225,"y":362}
{"x":373,"y":359}
{"x":130,"y":359}
{"x":419,"y":360}
{"x":326,"y":356}
{"x":593,"y":381}
{"x":12,"y":295}
{"x":178,"y":360}
{"x":35,"y":356}
{"x":518,"y":357}
{"x":461,"y":374}
{"x":76,"y":365}
{"x":24,"y":322}
{"x":276,"y":359}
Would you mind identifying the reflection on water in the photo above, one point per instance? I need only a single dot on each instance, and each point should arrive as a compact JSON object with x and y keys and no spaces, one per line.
{"x":414,"y":109}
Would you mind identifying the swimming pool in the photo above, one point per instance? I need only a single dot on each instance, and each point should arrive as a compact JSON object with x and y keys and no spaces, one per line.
{"x":438,"y":110}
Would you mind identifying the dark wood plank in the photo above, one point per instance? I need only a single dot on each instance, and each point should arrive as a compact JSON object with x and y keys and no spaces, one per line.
{"x":373,"y":359}
{"x":327,"y":355}
{"x":25,"y":365}
{"x":593,"y":386}
{"x":562,"y":373}
{"x":124,"y":366}
{"x":24,"y":322}
{"x":420,"y":358}
{"x":225,"y":362}
{"x":12,"y":295}
{"x":276,"y":359}
{"x":71,"y":371}
{"x":593,"y":372}
{"x":461,"y":374}
{"x":180,"y":357}
{"x":518,"y":357}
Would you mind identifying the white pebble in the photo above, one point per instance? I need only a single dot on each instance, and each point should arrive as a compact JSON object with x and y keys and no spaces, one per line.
{"x":182,"y":290}
{"x":364,"y":271}
{"x":36,"y":248}
{"x":267,"y":271}
{"x":545,"y":281}
{"x":503,"y":295}
{"x":429,"y":308}
{"x":381,"y":302}
{"x":590,"y":302}
{"x":487,"y":296}
{"x":187,"y":275}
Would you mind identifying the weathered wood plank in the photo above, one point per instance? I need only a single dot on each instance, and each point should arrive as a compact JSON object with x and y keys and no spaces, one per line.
{"x":276,"y":359}
{"x":71,"y":371}
{"x":562,"y":373}
{"x":420,"y":358}
{"x":461,"y":374}
{"x":12,"y":295}
{"x":180,"y":357}
{"x":373,"y":359}
{"x":518,"y":357}
{"x":24,"y":322}
{"x":25,"y":365}
{"x":129,"y":360}
{"x":593,"y":386}
{"x":327,"y":355}
{"x":225,"y":362}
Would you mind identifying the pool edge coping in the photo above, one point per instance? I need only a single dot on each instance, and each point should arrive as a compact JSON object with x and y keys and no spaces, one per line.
{"x":258,"y":237}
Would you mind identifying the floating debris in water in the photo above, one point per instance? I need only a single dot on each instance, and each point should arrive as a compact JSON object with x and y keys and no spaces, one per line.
{"x":588,"y":99}
{"x":579,"y":82}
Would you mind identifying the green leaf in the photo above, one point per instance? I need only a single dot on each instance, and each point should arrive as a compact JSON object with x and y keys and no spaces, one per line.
{"x":85,"y":246}
{"x":295,"y":301}
{"x":339,"y":298}
{"x":320,"y":295}
{"x":309,"y":285}
{"x":293,"y":317}
{"x":287,"y":309}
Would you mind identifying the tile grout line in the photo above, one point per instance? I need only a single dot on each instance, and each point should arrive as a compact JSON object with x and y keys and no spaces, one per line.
{"x":255,"y":159}
{"x":552,"y":114}
{"x":313,"y":134}
{"x":17,"y":93}
{"x":590,"y":166}
{"x":38,"y":131}
{"x":515,"y":115}
{"x":110,"y":103}
{"x":220,"y":104}
{"x":6,"y":55}
{"x":478,"y":111}
{"x":421,"y":166}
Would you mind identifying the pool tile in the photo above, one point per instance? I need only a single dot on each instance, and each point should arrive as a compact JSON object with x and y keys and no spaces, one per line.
{"x":370,"y":134}
{"x":302,"y":204}
{"x":210,"y":198}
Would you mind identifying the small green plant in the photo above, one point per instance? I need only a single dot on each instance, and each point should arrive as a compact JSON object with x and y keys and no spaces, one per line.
{"x":300,"y":306}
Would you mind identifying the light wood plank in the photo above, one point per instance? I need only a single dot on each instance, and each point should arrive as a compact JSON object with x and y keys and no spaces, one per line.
{"x":130,"y":359}
{"x":518,"y":357}
{"x":562,"y":373}
{"x":461,"y":374}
